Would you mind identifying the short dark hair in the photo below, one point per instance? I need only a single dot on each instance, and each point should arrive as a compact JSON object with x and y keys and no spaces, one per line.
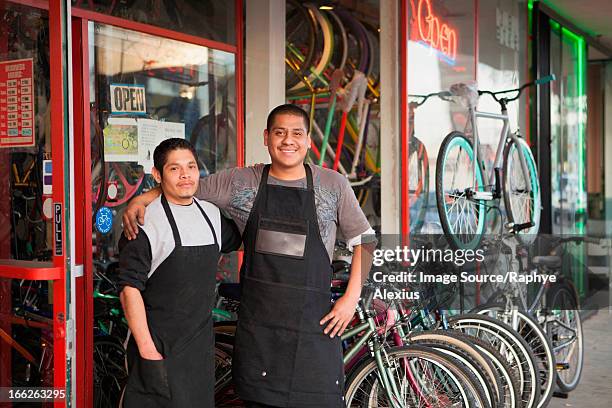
{"x":287,"y":109}
{"x":160,"y":155}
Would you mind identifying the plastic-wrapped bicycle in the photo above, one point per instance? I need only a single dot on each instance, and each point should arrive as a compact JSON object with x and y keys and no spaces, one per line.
{"x":463,"y":193}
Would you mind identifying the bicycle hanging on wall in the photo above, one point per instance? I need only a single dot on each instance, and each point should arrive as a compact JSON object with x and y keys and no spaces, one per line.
{"x":463,"y":193}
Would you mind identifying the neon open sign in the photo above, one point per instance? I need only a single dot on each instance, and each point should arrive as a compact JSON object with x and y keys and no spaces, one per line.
{"x":431,"y":30}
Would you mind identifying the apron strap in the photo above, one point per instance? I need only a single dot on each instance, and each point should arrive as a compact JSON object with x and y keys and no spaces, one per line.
{"x":309,"y":183}
{"x":175,"y":232}
{"x":266,"y":172}
{"x":212,"y":230}
{"x":264,"y":176}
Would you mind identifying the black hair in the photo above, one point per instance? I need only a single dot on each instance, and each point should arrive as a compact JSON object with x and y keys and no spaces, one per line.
{"x":160,"y":155}
{"x":287,"y":109}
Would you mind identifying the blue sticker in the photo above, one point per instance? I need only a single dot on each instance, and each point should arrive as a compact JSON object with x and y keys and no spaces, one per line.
{"x":104,"y":220}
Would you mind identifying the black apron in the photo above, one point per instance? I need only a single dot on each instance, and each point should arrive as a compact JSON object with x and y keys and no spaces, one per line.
{"x":178,"y":298}
{"x":281,"y":356}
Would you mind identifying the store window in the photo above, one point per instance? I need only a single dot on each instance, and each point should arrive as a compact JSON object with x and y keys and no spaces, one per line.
{"x":568,"y":124}
{"x":332,"y":71}
{"x":26,"y":228}
{"x":145,"y":89}
{"x":440,"y":52}
{"x":210,"y":19}
{"x":501,"y":65}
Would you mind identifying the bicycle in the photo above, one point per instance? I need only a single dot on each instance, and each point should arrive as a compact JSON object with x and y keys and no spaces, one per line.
{"x":551,"y":320}
{"x":418,"y":164}
{"x":462,"y":206}
{"x":378,"y":374}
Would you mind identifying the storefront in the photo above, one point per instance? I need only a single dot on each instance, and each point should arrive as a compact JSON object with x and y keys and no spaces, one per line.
{"x":88,"y":89}
{"x":79,"y":82}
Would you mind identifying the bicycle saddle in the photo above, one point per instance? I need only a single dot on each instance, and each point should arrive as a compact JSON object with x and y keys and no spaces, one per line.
{"x":230,"y":291}
{"x":467,"y":91}
{"x":549,"y":261}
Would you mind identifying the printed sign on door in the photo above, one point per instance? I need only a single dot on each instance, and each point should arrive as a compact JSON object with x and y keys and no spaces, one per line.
{"x":17,"y":103}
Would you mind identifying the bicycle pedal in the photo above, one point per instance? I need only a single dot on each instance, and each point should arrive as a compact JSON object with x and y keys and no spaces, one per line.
{"x":482,"y":195}
{"x":562,"y":366}
{"x":559,"y":394}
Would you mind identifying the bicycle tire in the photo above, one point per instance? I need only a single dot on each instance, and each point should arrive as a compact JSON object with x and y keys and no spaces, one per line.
{"x":553,"y":295}
{"x":297,"y":12}
{"x":455,"y":238}
{"x":462,"y":358}
{"x":510,"y":382}
{"x":540,"y":344}
{"x":472,"y":358}
{"x":356,"y":30}
{"x":464,"y":387}
{"x":225,"y":392}
{"x":510,"y":344}
{"x":340,"y":41}
{"x":418,"y":153}
{"x":313,"y":73}
{"x":513,"y":208}
{"x":109,"y":374}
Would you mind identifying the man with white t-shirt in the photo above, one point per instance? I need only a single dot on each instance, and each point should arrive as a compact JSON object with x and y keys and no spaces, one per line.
{"x":167,"y":280}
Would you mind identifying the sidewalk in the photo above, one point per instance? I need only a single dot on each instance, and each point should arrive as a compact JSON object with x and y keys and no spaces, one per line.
{"x":595,"y":388}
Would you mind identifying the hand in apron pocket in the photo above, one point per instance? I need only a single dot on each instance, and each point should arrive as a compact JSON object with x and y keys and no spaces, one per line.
{"x":150,"y":377}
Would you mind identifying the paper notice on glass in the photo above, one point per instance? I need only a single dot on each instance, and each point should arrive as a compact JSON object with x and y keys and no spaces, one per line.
{"x":173,"y":129}
{"x":121,"y":140}
{"x":150,"y":134}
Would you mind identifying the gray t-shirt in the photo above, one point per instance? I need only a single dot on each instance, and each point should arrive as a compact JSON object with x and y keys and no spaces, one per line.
{"x":234,"y":190}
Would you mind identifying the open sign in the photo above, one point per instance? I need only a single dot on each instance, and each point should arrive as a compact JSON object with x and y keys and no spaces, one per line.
{"x":128,"y":99}
{"x":432,"y":30}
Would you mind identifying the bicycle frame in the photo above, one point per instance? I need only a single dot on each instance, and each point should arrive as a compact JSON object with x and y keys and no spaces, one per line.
{"x":474,"y":114}
{"x":369,"y":328}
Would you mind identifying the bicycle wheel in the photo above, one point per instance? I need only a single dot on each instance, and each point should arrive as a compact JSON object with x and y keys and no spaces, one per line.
{"x":225,"y":392}
{"x":424,"y":377}
{"x":418,"y":183}
{"x":565,"y":331}
{"x":110,"y":373}
{"x":461,"y":349}
{"x":301,"y":36}
{"x":509,"y":381}
{"x":540,"y":344}
{"x":521,"y":205}
{"x":462,"y":217}
{"x":512,"y":347}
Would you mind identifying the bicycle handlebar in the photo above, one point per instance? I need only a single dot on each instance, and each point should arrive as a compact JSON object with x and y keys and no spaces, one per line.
{"x":442,"y":95}
{"x":539,"y":81}
{"x":546,"y":79}
{"x":577,"y":240}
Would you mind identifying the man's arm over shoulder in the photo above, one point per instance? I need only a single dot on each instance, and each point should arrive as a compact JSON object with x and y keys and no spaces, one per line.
{"x":217,"y":187}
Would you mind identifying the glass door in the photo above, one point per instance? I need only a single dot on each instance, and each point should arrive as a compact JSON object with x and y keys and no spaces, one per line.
{"x":139,"y":89}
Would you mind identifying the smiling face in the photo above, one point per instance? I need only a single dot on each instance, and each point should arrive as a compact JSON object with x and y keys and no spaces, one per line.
{"x":179,"y":176}
{"x":287,"y":141}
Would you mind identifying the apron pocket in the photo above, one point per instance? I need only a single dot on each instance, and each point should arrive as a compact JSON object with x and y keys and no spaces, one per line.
{"x":282,"y":237}
{"x":150,"y":377}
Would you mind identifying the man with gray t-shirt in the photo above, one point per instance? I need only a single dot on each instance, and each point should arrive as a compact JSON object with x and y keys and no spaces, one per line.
{"x":287,"y":349}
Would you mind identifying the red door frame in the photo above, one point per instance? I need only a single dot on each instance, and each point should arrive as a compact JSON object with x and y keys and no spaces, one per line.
{"x":57,"y":270}
{"x":80,"y":48}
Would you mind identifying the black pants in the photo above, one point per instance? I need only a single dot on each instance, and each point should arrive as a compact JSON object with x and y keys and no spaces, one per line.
{"x":251,"y":404}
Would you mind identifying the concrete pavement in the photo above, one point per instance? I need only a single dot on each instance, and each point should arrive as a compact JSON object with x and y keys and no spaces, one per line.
{"x":595,"y":388}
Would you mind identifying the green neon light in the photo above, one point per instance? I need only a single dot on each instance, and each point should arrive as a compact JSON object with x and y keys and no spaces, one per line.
{"x":556,"y":26}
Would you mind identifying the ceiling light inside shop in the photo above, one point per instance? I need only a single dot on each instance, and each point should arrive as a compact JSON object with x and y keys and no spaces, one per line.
{"x":326,"y":7}
{"x":121,"y":51}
